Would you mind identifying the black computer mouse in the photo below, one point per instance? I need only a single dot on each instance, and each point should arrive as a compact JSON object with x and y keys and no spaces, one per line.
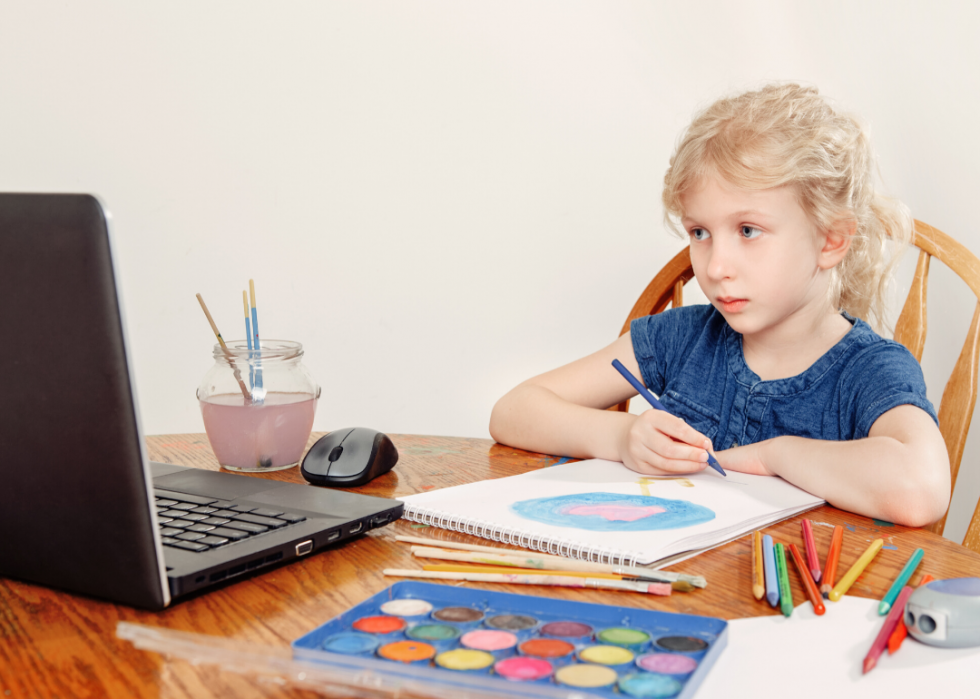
{"x":349,"y":457}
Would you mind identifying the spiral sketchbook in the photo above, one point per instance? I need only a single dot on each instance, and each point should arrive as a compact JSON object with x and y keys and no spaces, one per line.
{"x":601,"y":511}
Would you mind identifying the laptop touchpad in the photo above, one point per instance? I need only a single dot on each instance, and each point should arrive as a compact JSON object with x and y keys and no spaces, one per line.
{"x":213,"y":484}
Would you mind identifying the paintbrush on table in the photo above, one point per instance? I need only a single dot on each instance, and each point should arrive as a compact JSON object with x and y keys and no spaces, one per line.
{"x":541,"y":561}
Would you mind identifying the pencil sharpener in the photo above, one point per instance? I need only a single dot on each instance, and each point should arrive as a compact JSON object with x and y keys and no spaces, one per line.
{"x":945,"y":613}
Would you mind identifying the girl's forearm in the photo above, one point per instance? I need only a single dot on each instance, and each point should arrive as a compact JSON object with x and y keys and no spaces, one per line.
{"x":535,"y":418}
{"x":878,"y":477}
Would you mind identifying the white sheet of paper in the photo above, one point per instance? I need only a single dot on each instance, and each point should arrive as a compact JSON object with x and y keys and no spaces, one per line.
{"x":741,"y":503}
{"x":807,"y":655}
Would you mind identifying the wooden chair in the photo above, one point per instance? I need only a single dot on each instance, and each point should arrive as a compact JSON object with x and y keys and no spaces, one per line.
{"x":960,"y":395}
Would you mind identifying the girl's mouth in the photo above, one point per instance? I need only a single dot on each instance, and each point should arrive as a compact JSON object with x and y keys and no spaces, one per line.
{"x":730,"y":305}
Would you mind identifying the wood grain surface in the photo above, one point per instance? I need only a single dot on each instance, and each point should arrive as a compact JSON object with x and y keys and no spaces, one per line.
{"x":54,"y":644}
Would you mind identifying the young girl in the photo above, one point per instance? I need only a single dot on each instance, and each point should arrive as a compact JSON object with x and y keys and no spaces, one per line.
{"x":779,"y":374}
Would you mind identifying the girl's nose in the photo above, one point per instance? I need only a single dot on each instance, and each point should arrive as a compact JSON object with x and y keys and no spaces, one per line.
{"x":720,"y":262}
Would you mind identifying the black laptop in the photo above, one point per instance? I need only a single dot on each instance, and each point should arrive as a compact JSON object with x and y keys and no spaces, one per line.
{"x":81,"y":508}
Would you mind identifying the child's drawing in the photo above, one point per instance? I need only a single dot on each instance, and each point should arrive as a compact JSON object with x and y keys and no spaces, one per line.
{"x":611,"y":512}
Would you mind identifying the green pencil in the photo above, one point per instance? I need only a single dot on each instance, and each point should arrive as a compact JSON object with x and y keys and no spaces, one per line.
{"x":785,"y":593}
{"x":903,"y":577}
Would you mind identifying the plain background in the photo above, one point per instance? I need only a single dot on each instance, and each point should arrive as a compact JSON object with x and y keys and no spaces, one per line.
{"x":440,"y":199}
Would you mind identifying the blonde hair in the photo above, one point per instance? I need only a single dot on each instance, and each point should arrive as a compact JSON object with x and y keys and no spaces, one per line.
{"x":787,"y":134}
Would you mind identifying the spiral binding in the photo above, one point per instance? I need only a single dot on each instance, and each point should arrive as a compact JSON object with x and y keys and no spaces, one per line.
{"x":522,"y":539}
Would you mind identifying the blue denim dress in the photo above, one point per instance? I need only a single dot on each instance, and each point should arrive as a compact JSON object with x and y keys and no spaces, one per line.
{"x":692,"y":359}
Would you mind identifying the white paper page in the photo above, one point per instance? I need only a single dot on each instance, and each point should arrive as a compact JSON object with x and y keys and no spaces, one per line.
{"x":739,"y":502}
{"x":807,"y":655}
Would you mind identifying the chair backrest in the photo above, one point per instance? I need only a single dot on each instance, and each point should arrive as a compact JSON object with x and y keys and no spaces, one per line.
{"x":960,"y":394}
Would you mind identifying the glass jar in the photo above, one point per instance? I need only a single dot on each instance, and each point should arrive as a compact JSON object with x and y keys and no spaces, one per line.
{"x":258,"y":405}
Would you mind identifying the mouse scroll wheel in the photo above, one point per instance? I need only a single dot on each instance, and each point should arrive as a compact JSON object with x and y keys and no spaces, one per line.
{"x":335,"y":453}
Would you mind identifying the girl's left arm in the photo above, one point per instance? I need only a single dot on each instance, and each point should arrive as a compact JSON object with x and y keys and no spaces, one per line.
{"x":899,"y":473}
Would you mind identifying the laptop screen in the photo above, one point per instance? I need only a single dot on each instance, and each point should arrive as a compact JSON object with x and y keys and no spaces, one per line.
{"x":74,"y":498}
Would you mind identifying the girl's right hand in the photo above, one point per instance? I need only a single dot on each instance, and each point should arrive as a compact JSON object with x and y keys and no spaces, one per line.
{"x":658,"y":442}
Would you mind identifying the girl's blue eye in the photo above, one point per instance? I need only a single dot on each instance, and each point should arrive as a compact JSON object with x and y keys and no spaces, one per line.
{"x":700,"y":234}
{"x":749,"y":232}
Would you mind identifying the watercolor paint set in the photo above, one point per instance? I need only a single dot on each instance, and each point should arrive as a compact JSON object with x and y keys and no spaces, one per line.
{"x":518,"y":645}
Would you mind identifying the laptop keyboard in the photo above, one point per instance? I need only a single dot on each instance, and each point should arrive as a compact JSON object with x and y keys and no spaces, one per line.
{"x":195,"y":523}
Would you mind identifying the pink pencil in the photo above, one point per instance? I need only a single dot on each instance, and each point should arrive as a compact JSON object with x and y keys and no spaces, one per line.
{"x":812,"y":559}
{"x":881,"y":641}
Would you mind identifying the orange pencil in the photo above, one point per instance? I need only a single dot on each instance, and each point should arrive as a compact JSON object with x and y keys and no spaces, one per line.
{"x":901,"y":630}
{"x":808,"y":585}
{"x":758,"y":572}
{"x":830,"y":566}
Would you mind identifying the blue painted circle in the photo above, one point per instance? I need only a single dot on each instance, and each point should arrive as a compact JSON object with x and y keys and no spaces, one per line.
{"x":351,"y":643}
{"x":560,"y":511}
{"x":648,"y":684}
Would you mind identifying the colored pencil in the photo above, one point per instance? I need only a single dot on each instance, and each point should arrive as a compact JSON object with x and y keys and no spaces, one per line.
{"x":833,"y":556}
{"x":812,"y":559}
{"x":785,"y":593}
{"x":901,"y":630}
{"x":258,"y":390}
{"x":224,"y":347}
{"x":758,"y":572}
{"x":809,"y":586}
{"x":549,"y":562}
{"x":841,"y":588}
{"x":903,"y":577}
{"x":769,"y":562}
{"x":678,"y":586}
{"x":881,"y":640}
{"x":650,"y":588}
{"x":652,"y":400}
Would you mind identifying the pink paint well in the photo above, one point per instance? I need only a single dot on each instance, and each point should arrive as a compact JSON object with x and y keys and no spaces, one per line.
{"x":615,"y":513}
{"x":488,"y":640}
{"x":523,"y":669}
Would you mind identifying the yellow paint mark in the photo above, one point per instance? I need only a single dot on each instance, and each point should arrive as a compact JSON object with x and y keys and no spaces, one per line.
{"x":646,"y":482}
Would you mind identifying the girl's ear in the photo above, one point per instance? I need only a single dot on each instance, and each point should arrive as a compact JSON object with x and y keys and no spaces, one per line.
{"x":836,"y":242}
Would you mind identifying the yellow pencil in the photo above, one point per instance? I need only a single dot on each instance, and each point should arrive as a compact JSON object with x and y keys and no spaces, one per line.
{"x":841,"y":588}
{"x":758,"y":570}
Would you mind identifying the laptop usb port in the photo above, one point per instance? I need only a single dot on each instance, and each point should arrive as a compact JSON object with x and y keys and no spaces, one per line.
{"x":334,"y":535}
{"x":304,"y":548}
{"x":356,"y":527}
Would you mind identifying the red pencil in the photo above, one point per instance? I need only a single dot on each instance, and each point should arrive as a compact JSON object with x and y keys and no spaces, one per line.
{"x":881,"y":640}
{"x":901,"y":630}
{"x":812,"y":559}
{"x":833,"y":555}
{"x":808,"y":584}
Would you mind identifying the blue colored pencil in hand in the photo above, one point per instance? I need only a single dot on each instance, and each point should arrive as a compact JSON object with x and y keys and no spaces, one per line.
{"x":652,"y":400}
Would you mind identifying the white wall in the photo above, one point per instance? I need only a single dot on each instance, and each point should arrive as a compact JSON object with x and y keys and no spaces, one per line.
{"x":440,"y":199}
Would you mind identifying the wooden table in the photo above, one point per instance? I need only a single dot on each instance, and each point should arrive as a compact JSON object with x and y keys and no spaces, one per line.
{"x":54,"y":644}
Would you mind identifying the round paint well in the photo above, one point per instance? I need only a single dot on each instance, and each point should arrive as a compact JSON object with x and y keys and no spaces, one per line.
{"x":567,"y":629}
{"x":606,"y":655}
{"x":407,"y":651}
{"x":379,"y":624}
{"x":523,"y":669}
{"x":350,"y":643}
{"x":550,"y":648}
{"x":406,"y":607}
{"x":585,"y":675}
{"x":683,"y":644}
{"x":667,"y":663}
{"x":464,"y":659}
{"x":437,"y":634}
{"x":489,"y":640}
{"x":512,"y":622}
{"x":458,"y":615}
{"x":634,"y":639}
{"x":648,"y":684}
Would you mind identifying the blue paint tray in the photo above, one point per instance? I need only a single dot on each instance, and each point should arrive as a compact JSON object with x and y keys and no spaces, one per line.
{"x":685,"y":646}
